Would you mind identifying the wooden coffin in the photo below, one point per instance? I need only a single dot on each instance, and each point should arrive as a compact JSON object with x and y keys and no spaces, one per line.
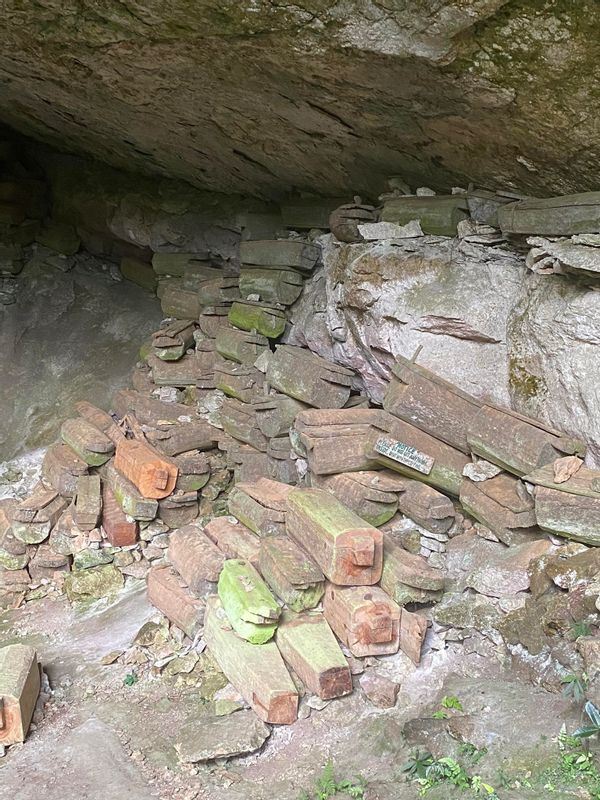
{"x":195,"y":557}
{"x":171,"y":342}
{"x":573,"y":516}
{"x":182,"y":437}
{"x":360,"y":491}
{"x":309,"y":378}
{"x":240,"y":381}
{"x":502,"y":504}
{"x":261,"y":506}
{"x":248,"y":463}
{"x":134,"y":504}
{"x":282,"y":286}
{"x":348,"y":550}
{"x":61,"y":468}
{"x":336,"y":440}
{"x":152,"y":474}
{"x":439,"y":215}
{"x":240,"y":346}
{"x":309,"y":646}
{"x":178,"y":509}
{"x":516,"y":443}
{"x":120,"y":530}
{"x":88,"y":502}
{"x":420,"y":397}
{"x":234,"y":539}
{"x":247,"y":601}
{"x":291,"y":573}
{"x":194,"y":471}
{"x":176,"y":263}
{"x":181,"y":373}
{"x":251,"y":315}
{"x":148,"y":410}
{"x":239,"y":420}
{"x":20,"y":681}
{"x":258,"y":672}
{"x":275,"y":415}
{"x":279,"y":253}
{"x":426,"y":506}
{"x":168,"y":593}
{"x":180,"y":303}
{"x":365,"y":619}
{"x":402,"y":569}
{"x":410,"y":451}
{"x":552,"y":216}
{"x":90,"y":444}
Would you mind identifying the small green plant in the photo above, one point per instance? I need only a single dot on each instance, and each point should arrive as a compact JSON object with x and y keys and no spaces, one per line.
{"x":130,"y":679}
{"x":416,"y":764}
{"x":575,"y":686}
{"x":585,"y":731}
{"x":580,"y":629}
{"x":449,"y":701}
{"x":429,"y":773}
{"x":327,"y":786}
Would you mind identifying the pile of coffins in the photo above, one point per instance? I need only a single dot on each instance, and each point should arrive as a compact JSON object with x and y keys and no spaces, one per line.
{"x":330,"y":543}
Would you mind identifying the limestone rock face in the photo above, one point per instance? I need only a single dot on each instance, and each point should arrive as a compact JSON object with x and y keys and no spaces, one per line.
{"x":329,"y":96}
{"x":482,"y":319}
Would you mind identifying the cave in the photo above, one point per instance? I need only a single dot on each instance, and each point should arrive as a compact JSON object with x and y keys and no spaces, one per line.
{"x":299,"y":443}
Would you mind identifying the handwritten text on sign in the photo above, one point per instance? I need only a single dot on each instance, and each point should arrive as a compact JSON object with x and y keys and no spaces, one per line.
{"x":405,"y":454}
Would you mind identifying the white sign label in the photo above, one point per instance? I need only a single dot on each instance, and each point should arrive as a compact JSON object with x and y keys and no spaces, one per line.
{"x":405,"y":454}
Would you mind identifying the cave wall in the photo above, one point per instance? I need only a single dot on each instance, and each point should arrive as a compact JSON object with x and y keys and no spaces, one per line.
{"x":330,"y":97}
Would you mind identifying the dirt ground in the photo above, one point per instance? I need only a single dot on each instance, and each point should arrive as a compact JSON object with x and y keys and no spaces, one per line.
{"x":102,"y":739}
